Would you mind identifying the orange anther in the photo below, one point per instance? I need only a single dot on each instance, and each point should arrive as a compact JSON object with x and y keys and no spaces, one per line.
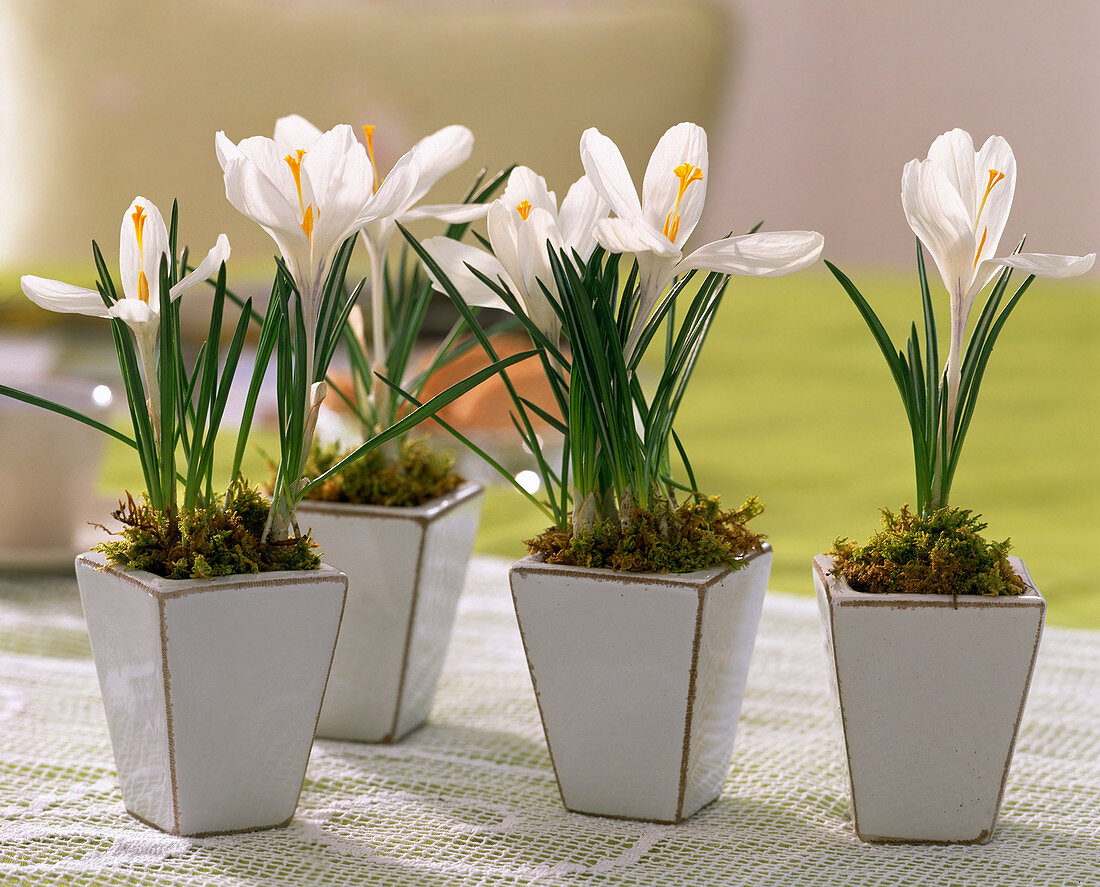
{"x":368,"y":131}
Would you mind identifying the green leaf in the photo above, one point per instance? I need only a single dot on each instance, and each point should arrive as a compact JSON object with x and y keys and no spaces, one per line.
{"x":426,"y":411}
{"x":62,"y":410}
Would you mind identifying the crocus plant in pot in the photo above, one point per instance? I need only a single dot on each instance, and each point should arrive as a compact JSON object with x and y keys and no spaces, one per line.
{"x":213,"y":622}
{"x":212,"y":639}
{"x":932,"y":631}
{"x":638,"y":607}
{"x":400,"y":521}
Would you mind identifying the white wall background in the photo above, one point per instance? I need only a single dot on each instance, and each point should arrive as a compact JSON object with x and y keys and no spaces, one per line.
{"x":823,"y":103}
{"x":829,"y":98}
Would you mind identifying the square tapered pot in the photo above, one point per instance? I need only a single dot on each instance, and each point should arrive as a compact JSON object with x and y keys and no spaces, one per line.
{"x":639,"y":680}
{"x":211,"y":689}
{"x":405,"y":568}
{"x":931,"y":690}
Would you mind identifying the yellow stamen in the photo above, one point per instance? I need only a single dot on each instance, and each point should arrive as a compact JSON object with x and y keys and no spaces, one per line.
{"x":295,"y":164}
{"x":307,"y":223}
{"x":995,"y":176}
{"x":687,"y":174}
{"x":138,"y":215}
{"x":294,"y":161}
{"x":369,"y":132}
{"x":524,"y":209}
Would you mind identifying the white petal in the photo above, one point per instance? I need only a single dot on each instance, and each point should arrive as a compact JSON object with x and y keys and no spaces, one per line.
{"x":255,"y":195}
{"x":132,"y":260}
{"x":683,"y":143}
{"x":53,"y":295}
{"x":224,"y":148}
{"x":937,"y":216}
{"x":993,"y":161}
{"x":440,"y":153}
{"x":394,"y":195}
{"x":293,"y":132}
{"x":604,"y":165}
{"x":953,"y":155}
{"x":451,"y":213}
{"x":453,"y":257}
{"x":770,"y":254}
{"x":537,"y":234}
{"x":525,"y":184}
{"x":134,"y":312}
{"x":657,"y":258}
{"x":634,"y":236}
{"x":340,"y":179}
{"x":503,"y":223}
{"x":207,"y":268}
{"x":266,"y":155}
{"x":258,"y":183}
{"x":580,"y":210}
{"x":144,"y":322}
{"x":1044,"y":265}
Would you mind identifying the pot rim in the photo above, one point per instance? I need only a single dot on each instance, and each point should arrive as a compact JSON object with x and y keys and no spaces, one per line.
{"x":163,"y":588}
{"x":428,"y":511}
{"x":534,"y":564}
{"x":840,"y":594}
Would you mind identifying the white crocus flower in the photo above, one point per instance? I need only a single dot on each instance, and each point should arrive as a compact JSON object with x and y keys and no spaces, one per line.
{"x":143,"y":241}
{"x":310,"y":191}
{"x":436,"y":155}
{"x":655,"y":228}
{"x":520,"y":223}
{"x":957,"y":202}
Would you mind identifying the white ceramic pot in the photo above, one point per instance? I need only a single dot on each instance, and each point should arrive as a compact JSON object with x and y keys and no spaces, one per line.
{"x":639,"y":680}
{"x":405,"y":570}
{"x":211,"y":689}
{"x":930,"y":689}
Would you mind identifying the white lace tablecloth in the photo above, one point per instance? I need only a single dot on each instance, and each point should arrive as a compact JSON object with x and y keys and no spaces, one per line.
{"x":471,"y":798}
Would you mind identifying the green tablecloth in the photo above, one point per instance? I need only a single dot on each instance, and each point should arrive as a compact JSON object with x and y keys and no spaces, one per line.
{"x":471,"y":798}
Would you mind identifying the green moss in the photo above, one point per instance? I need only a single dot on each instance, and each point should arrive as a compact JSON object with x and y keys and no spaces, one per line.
{"x":693,"y":536}
{"x":943,"y":553}
{"x":205,"y":542}
{"x":419,"y":475}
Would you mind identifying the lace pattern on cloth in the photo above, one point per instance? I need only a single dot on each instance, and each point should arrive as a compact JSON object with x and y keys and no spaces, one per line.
{"x":470,"y":799}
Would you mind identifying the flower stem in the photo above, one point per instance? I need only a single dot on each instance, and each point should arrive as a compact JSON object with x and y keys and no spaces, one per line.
{"x":379,"y":394}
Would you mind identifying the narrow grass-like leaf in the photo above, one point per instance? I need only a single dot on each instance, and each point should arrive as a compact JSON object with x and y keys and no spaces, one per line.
{"x":427,"y":410}
{"x":44,"y":403}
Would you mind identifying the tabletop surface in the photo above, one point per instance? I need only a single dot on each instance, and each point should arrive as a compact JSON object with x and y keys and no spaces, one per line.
{"x":470,"y":799}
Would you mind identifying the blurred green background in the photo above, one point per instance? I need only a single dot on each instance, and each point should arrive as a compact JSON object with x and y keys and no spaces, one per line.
{"x":812,"y":109}
{"x":792,"y":401}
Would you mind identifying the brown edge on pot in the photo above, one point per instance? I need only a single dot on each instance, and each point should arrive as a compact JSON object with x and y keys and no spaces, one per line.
{"x":236,"y":831}
{"x":391,"y":737}
{"x":321,"y":703}
{"x":825,"y":576}
{"x":166,"y":684}
{"x":428,"y":515}
{"x":1037,"y":601}
{"x":535,"y":684}
{"x":161,"y":597}
{"x":692,"y":677}
{"x":424,"y":514}
{"x":1022,"y":571}
{"x":532,"y":568}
